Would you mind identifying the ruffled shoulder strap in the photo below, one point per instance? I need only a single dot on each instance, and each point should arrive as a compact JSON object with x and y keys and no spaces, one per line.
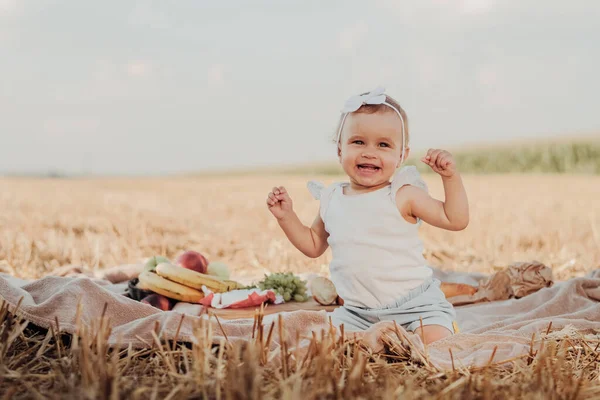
{"x":322,"y":193}
{"x":315,"y":188}
{"x":408,"y":175}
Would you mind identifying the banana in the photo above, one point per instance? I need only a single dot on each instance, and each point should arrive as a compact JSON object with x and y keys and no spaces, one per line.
{"x":169,"y":289}
{"x":234,"y":285}
{"x":194,"y":279}
{"x":141,"y":286}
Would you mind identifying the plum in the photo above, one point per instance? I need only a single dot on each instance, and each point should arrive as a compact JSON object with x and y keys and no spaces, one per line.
{"x":159,"y":301}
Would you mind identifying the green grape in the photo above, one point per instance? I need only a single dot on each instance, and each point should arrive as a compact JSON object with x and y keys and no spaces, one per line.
{"x":285,"y":284}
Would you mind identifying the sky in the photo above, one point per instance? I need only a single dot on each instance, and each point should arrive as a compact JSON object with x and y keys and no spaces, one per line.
{"x":161,"y":87}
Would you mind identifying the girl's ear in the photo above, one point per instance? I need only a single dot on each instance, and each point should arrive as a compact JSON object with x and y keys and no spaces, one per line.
{"x":339,"y":151}
{"x":406,"y":154}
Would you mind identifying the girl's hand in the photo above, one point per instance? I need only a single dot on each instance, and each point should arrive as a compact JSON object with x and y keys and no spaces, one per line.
{"x":440,"y":162}
{"x":279,"y":202}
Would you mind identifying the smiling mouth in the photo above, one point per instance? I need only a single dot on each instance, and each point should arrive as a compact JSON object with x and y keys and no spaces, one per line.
{"x":368,"y":167}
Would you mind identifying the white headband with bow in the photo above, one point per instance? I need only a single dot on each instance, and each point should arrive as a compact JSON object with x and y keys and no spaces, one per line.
{"x":376,"y":96}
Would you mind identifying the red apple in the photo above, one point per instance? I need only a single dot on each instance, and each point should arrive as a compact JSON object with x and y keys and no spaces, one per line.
{"x":157,"y":300}
{"x":193,"y":260}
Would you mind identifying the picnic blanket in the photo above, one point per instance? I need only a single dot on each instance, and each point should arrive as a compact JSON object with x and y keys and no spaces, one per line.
{"x":506,"y":325}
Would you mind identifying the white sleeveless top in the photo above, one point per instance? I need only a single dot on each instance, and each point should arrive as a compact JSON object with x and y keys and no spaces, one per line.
{"x":377,"y":254}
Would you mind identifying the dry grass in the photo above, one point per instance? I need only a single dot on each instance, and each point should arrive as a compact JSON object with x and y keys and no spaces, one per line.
{"x":104,"y":222}
{"x":48,"y":223}
{"x":45,"y":364}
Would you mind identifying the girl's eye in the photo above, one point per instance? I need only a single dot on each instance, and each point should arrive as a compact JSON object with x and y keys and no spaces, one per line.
{"x":358,"y":142}
{"x":383,"y":144}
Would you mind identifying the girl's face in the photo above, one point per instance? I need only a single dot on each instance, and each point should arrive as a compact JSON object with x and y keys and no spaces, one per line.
{"x":370,"y":149}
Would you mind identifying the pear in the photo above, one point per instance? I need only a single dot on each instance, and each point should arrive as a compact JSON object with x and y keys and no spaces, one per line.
{"x":220,"y":269}
{"x":152,"y":262}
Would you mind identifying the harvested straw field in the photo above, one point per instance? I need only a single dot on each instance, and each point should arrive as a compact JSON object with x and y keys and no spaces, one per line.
{"x":99,"y":223}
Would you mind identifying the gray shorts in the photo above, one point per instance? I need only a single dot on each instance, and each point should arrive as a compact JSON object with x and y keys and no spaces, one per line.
{"x":426,"y":301}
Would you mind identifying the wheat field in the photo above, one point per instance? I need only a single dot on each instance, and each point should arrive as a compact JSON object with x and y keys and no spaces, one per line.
{"x":47,"y":223}
{"x":100,"y":223}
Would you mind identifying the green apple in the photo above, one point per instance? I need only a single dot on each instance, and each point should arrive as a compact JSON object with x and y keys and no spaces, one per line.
{"x":217,"y":268}
{"x":154,"y":261}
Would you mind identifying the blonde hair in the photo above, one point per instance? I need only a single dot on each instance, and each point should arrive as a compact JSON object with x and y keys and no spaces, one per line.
{"x":376,"y":108}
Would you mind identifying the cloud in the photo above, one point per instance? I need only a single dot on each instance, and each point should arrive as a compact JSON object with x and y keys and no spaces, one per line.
{"x":492,"y":85}
{"x":69,"y":126}
{"x":104,"y":69}
{"x":352,"y":36}
{"x":109,"y":79}
{"x":476,"y":7}
{"x":439,"y":10}
{"x":145,"y":15}
{"x":8,"y":7}
{"x":487,"y":76}
{"x":216,"y":74}
{"x":139,"y":69}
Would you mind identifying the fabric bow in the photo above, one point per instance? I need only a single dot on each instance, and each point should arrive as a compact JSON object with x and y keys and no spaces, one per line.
{"x":375,"y":96}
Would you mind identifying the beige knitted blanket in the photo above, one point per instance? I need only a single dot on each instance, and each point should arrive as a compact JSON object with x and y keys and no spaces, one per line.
{"x":506,"y":325}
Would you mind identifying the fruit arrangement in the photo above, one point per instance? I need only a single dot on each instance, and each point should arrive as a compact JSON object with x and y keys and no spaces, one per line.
{"x":162,"y":283}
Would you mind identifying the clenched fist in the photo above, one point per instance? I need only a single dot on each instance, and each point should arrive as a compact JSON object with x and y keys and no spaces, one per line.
{"x":440,"y":162}
{"x":279,"y":202}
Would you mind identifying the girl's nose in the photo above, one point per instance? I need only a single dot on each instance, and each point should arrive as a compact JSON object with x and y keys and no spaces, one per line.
{"x":368,"y":154}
